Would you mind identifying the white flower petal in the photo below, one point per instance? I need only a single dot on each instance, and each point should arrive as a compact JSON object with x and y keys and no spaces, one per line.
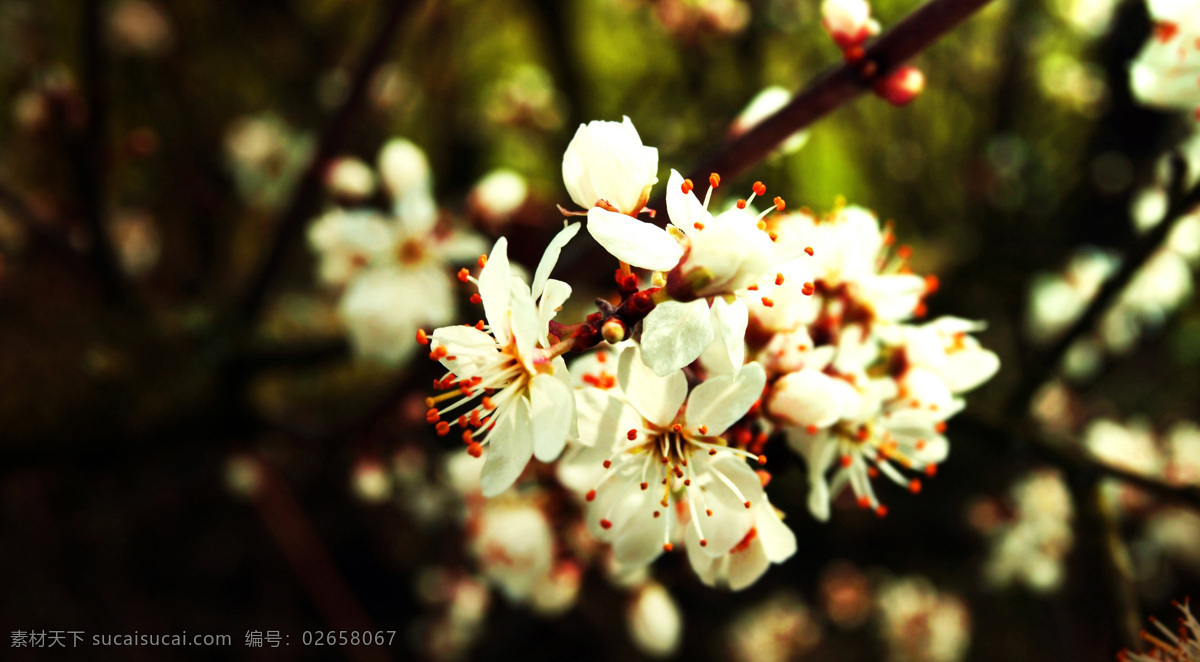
{"x":510,"y":445}
{"x":719,"y":402}
{"x":632,"y":241}
{"x":550,"y":258}
{"x":555,"y":295}
{"x":657,"y":398}
{"x":746,"y":566}
{"x":777,"y":539}
{"x":729,"y":324}
{"x":552,"y":405}
{"x":684,"y":209}
{"x":674,"y":334}
{"x":969,"y":368}
{"x":807,"y":397}
{"x":494,"y":289}
{"x":605,"y":420}
{"x":523,"y":322}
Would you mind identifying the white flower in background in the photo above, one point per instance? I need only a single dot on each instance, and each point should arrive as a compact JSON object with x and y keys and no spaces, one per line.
{"x":1031,"y":548}
{"x":655,"y":621}
{"x":1183,"y":454}
{"x":764,"y":104}
{"x":1179,"y":645}
{"x":404,"y":169}
{"x":849,"y":22}
{"x":714,"y":264}
{"x":768,"y":541}
{"x":395,"y":268}
{"x":659,"y":465}
{"x":514,"y":546}
{"x":919,"y":624}
{"x":1055,"y":301}
{"x":265,"y":156}
{"x":499,"y":195}
{"x":514,"y":362}
{"x":606,"y":165}
{"x":1166,"y":74}
{"x":780,"y":629}
{"x":140,"y":27}
{"x":943,"y":350}
{"x":350,"y":178}
{"x":1131,"y":446}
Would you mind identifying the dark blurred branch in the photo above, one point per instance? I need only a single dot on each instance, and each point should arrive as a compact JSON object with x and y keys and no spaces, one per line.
{"x":308,"y":188}
{"x":1043,"y":365}
{"x":303,"y":550}
{"x":90,"y":157}
{"x":259,"y":356}
{"x":1074,"y":459}
{"x":14,"y":204}
{"x":838,"y":86}
{"x":1104,"y":551}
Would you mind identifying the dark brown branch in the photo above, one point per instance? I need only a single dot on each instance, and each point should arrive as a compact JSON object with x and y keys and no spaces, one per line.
{"x":14,"y":204}
{"x":307,"y":190}
{"x":1102,"y":553}
{"x":1072,"y":458}
{"x":90,"y":157}
{"x":838,"y":86}
{"x":1044,"y":365}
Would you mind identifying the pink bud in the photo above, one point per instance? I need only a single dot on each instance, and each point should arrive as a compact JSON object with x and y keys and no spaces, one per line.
{"x":901,"y":86}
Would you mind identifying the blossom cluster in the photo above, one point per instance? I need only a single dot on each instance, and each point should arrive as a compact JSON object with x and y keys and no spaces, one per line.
{"x":737,"y":325}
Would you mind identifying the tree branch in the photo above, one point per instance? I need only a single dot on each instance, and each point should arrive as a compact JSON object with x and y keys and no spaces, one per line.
{"x":1074,"y":459}
{"x":14,"y":204}
{"x":90,"y":158}
{"x":307,"y":190}
{"x":1044,"y":364}
{"x":838,"y":86}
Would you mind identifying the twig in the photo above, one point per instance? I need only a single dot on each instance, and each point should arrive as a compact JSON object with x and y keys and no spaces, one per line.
{"x":309,"y":559}
{"x":91,"y":157}
{"x":13,"y":203}
{"x":307,"y":190}
{"x":1101,"y":545}
{"x":837,"y":86}
{"x":1072,"y":458}
{"x":1043,"y":365}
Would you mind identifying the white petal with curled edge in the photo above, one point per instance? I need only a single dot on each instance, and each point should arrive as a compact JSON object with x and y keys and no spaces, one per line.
{"x":806,"y":397}
{"x":632,"y":241}
{"x":494,"y":290}
{"x":778,"y":541}
{"x":656,"y":398}
{"x":720,"y":401}
{"x":555,"y":295}
{"x":969,"y":368}
{"x":523,"y":321}
{"x":605,"y":420}
{"x":684,"y":209}
{"x":509,"y":446}
{"x":729,"y":324}
{"x":552,"y":405}
{"x":731,"y":519}
{"x":707,"y":568}
{"x":674,"y":334}
{"x":747,"y":565}
{"x":818,"y":451}
{"x":550,"y":257}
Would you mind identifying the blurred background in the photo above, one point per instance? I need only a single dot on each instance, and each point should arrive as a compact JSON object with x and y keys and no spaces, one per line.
{"x":189,"y":440}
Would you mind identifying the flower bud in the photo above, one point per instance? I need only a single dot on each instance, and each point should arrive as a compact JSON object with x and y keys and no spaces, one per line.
{"x":350,"y":178}
{"x":607,"y":165}
{"x":403,"y":168}
{"x":848,"y":21}
{"x":613,"y":330}
{"x":901,"y":86}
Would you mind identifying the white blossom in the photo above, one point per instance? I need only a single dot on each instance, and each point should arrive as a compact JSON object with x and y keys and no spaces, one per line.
{"x":514,"y":361}
{"x":849,"y":22}
{"x":655,"y":621}
{"x":607,"y":165}
{"x":1166,"y":74}
{"x":919,"y":624}
{"x":658,"y":464}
